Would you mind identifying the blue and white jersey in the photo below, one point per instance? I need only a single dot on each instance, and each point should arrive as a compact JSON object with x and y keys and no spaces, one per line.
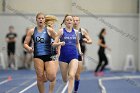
{"x":42,"y":42}
{"x":70,"y":40}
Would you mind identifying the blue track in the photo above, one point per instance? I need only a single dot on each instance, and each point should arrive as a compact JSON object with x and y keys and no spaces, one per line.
{"x":89,"y":83}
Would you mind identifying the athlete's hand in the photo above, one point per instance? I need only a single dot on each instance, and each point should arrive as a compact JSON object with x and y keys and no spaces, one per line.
{"x":30,"y":50}
{"x":85,"y":40}
{"x":81,"y":53}
{"x":62,"y":43}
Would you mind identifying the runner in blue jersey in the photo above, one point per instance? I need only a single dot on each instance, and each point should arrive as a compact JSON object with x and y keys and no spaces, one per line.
{"x":84,"y":38}
{"x":69,"y":51}
{"x":49,"y":22}
{"x":41,"y":36}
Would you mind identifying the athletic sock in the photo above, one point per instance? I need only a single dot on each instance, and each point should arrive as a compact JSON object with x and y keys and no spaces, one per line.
{"x":76,"y":85}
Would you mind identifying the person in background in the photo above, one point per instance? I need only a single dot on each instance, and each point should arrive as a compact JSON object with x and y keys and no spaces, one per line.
{"x":101,"y":53}
{"x":27,"y":59}
{"x":11,"y":45}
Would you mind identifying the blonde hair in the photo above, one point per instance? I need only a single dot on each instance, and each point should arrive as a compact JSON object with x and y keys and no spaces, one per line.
{"x":50,"y":18}
{"x":40,"y":13}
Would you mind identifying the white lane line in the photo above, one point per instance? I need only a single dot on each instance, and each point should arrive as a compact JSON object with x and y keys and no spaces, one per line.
{"x":14,"y":88}
{"x":65,"y":88}
{"x":30,"y":86}
{"x":62,"y":85}
{"x":120,"y":77}
{"x":59,"y":88}
{"x":4,"y":81}
{"x":103,"y":89}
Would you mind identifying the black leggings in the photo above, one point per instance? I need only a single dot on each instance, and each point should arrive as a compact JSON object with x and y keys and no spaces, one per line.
{"x":102,"y":57}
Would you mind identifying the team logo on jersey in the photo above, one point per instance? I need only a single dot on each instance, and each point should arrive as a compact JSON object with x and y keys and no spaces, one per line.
{"x":39,"y":39}
{"x":70,"y":38}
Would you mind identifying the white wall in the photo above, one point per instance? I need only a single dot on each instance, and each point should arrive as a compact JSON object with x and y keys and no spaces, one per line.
{"x":65,"y":6}
{"x":45,"y":6}
{"x":120,"y":45}
{"x":107,"y":6}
